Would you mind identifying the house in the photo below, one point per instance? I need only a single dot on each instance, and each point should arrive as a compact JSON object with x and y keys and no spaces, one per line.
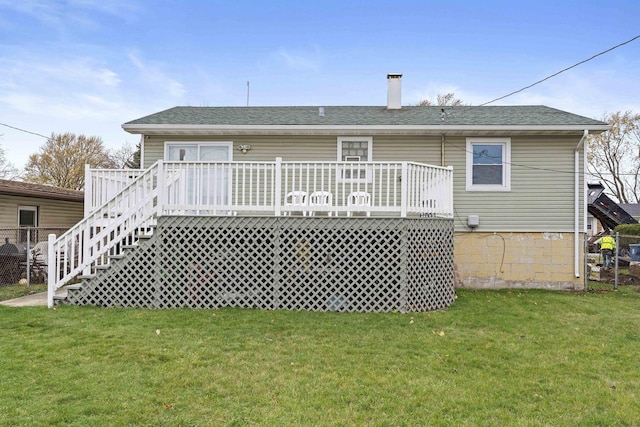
{"x":25,"y":205}
{"x":28,"y":214}
{"x":361,"y":208}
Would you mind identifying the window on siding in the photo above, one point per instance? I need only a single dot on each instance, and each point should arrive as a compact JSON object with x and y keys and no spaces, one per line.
{"x":27,"y":218}
{"x":193,"y":151}
{"x":354,"y":150}
{"x":488,"y":164}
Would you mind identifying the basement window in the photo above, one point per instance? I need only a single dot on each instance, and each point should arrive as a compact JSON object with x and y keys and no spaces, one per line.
{"x":488,"y":164}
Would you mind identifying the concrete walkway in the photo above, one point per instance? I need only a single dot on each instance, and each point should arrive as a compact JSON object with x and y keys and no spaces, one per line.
{"x":39,"y":299}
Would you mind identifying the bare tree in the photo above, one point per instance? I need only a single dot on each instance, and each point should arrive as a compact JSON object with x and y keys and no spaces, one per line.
{"x":7,"y":169}
{"x":123,"y":157}
{"x":62,"y":159}
{"x":448,"y":99}
{"x":613,"y":156}
{"x":135,"y":160}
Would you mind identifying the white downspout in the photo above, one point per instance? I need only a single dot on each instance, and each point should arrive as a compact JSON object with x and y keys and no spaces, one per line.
{"x":577,"y":244}
{"x":141,"y":165}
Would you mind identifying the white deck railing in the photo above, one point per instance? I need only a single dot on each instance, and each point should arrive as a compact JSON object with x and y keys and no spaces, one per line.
{"x":277,"y":188}
{"x":102,"y":184}
{"x":122,"y":204}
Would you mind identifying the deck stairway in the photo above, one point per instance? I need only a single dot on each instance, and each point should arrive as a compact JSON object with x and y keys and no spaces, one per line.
{"x":104,"y":234}
{"x":81,"y":293}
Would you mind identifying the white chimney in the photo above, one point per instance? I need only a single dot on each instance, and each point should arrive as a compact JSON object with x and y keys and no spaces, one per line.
{"x":394,"y":91}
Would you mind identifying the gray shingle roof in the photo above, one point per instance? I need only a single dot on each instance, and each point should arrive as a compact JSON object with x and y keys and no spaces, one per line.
{"x":534,"y":115}
{"x":19,"y":188}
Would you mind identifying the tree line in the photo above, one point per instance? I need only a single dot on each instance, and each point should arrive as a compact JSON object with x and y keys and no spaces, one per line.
{"x":60,"y":161}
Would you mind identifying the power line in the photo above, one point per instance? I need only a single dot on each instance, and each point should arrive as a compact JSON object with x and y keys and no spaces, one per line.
{"x":25,"y":131}
{"x":542,"y":169}
{"x":562,"y":71}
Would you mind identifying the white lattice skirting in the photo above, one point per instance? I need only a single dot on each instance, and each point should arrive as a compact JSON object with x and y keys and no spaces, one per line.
{"x":353,"y":264}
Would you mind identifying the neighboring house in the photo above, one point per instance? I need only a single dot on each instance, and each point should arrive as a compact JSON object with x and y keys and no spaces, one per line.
{"x":33,"y":205}
{"x":506,"y":180}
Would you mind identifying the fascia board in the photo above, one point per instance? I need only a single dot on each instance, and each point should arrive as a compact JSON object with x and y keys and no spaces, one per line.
{"x":163,"y":129}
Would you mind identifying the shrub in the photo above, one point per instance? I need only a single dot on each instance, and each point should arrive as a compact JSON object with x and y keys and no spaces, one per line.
{"x":628,"y":233}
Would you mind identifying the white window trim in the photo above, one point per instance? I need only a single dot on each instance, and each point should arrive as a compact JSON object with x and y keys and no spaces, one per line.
{"x":228,"y":144}
{"x":33,"y":209}
{"x":506,"y":164}
{"x":369,"y":141}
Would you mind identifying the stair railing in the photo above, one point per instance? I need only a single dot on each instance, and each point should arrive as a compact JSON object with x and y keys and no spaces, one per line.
{"x":103,"y":233}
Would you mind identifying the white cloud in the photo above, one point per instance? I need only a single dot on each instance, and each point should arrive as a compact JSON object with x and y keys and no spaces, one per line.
{"x":60,"y":15}
{"x":299,"y":61}
{"x":49,"y":86}
{"x":154,"y":77}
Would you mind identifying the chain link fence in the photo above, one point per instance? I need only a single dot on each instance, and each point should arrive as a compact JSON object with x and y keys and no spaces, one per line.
{"x":624,"y":265}
{"x":23,"y":254}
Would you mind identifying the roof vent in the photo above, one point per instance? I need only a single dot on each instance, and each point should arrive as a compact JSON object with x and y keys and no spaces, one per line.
{"x":394,"y":91}
{"x":321,"y":111}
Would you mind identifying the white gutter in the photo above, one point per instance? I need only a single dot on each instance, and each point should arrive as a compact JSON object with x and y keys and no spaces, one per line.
{"x":577,"y":244}
{"x":315,"y":129}
{"x":141,"y":165}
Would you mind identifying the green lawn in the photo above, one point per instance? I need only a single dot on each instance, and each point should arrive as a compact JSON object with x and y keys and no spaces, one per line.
{"x":15,"y":291}
{"x":525,"y":358}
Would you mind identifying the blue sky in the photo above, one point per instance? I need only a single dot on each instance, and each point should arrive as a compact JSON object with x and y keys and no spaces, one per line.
{"x":87,"y":66}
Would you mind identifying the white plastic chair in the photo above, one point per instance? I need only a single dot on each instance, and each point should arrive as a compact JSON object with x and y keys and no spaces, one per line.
{"x":322,"y":200}
{"x":296,"y":201}
{"x":359,"y":201}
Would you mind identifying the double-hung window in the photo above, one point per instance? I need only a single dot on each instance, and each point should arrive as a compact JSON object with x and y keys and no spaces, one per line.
{"x":488,"y":164}
{"x":354,"y":150}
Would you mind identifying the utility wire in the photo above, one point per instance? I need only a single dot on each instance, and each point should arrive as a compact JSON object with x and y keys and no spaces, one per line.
{"x":562,"y":71}
{"x":24,"y":130}
{"x":537,"y":168}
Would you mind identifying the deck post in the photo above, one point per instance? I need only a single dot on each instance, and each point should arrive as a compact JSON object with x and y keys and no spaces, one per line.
{"x":161,"y":188}
{"x":86,"y":250}
{"x":51,"y":270}
{"x":88,"y":190}
{"x":404,"y":184}
{"x":450,"y":191}
{"x":278,"y":184}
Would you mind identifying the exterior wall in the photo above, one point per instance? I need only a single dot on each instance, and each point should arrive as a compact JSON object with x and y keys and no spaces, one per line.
{"x":542,"y":187}
{"x":51,"y":213}
{"x":308,"y":148}
{"x":537,"y":216}
{"x":516,"y":260}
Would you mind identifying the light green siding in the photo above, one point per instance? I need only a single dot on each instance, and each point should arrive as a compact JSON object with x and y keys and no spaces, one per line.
{"x":51,"y":213}
{"x":542,"y":187}
{"x":309,"y":148}
{"x":542,"y":173}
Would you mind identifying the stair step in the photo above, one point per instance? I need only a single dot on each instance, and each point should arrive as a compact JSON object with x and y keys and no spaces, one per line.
{"x":129,"y":246}
{"x":86,"y":276}
{"x":116,"y":257}
{"x":103,"y":267}
{"x":74,"y":287}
